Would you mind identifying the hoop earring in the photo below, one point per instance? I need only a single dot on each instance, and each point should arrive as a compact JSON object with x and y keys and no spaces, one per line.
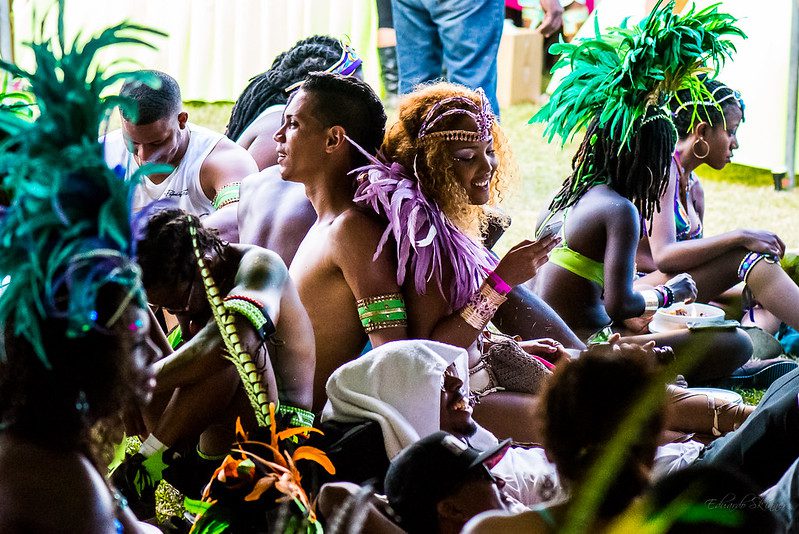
{"x":707,"y":152}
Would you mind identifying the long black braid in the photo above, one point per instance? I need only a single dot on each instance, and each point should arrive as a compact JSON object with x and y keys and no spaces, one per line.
{"x":638,"y":172}
{"x":313,"y":54}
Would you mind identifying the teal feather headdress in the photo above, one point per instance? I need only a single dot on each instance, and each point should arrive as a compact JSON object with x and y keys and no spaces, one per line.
{"x":66,"y":231}
{"x":615,"y":77}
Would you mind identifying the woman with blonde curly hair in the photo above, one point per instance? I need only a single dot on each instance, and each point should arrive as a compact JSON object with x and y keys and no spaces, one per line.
{"x":446,"y":167}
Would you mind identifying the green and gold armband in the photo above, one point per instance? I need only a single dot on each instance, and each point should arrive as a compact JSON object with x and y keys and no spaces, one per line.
{"x":299,"y":417}
{"x":227,"y":194}
{"x":175,"y":338}
{"x":384,"y":311}
{"x":254,"y":311}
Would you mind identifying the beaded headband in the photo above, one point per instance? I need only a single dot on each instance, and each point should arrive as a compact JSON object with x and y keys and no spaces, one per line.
{"x":715,"y":102}
{"x":347,"y":64}
{"x":482,"y":115}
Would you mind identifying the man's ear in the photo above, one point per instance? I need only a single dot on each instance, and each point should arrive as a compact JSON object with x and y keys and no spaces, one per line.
{"x":448,"y":510}
{"x":183,"y":118}
{"x":335,"y":139}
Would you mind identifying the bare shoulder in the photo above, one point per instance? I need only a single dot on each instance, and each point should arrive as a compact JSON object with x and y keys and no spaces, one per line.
{"x":259,"y":267}
{"x":493,"y":521}
{"x":357,"y":221}
{"x":32,"y":496}
{"x":227,"y":162}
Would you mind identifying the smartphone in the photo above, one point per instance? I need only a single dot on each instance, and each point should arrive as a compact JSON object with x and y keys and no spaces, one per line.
{"x":550,"y":228}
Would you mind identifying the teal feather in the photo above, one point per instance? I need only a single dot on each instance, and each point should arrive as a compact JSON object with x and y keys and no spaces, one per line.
{"x":68,"y":222}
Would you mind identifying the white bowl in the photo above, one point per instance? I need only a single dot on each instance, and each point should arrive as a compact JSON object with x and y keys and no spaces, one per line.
{"x":678,"y":316}
{"x":724,"y":395}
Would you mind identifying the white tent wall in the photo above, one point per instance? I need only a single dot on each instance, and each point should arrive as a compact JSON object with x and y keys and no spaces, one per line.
{"x":214,"y":46}
{"x":759,"y":70}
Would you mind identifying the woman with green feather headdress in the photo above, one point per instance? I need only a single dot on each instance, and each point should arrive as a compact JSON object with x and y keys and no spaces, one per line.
{"x":617,"y":87}
{"x":73,"y":312}
{"x":707,"y":135}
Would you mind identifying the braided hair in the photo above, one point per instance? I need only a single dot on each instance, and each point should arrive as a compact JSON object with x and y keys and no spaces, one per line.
{"x":637,"y":170}
{"x":686,"y":112}
{"x":315,"y":53}
{"x":165,"y":252}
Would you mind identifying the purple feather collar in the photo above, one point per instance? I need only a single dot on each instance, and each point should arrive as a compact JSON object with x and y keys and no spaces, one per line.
{"x":426,"y":239}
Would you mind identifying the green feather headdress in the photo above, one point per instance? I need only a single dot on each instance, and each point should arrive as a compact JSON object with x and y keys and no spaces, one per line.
{"x":66,"y":231}
{"x":615,"y":77}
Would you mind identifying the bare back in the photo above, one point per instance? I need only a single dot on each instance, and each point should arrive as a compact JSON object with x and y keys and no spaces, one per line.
{"x":274,"y":214}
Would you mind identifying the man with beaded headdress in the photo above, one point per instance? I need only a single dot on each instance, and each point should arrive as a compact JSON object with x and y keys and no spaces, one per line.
{"x":73,"y":313}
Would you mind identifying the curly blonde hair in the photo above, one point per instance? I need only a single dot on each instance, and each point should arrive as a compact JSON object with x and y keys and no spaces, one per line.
{"x":433,"y":161}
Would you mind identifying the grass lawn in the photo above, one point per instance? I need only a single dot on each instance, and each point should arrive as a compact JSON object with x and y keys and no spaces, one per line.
{"x":737,"y":197}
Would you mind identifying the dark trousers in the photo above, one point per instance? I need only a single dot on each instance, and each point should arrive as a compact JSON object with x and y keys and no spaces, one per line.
{"x":768,"y":442}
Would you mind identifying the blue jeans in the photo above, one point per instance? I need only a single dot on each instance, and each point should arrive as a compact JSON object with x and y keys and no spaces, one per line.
{"x":459,"y":37}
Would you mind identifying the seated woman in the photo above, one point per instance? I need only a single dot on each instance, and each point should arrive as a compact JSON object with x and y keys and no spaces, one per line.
{"x":620,"y":171}
{"x":258,"y":112}
{"x":449,"y":165}
{"x":73,"y":316}
{"x":707,"y":135}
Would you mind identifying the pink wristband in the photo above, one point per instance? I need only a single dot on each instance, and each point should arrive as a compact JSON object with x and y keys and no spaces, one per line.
{"x":499,"y":285}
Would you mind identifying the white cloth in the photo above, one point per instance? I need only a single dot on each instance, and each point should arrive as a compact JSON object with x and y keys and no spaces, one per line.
{"x":182,"y":186}
{"x":398,"y":385}
{"x":672,"y":457}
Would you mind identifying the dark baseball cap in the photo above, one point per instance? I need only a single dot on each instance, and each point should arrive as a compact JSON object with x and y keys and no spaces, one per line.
{"x":430,"y":470}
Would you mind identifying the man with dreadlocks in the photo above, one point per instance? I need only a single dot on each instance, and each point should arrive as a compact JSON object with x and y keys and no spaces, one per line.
{"x":198,"y":391}
{"x":620,"y":172}
{"x":206,"y":167}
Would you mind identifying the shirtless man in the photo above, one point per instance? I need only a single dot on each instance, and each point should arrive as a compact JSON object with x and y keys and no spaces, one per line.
{"x":334,"y":266}
{"x":274,"y":214}
{"x":198,"y":391}
{"x":206,"y":165}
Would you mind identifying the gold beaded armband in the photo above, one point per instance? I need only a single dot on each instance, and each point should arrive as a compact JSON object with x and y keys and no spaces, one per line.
{"x":381,"y":312}
{"x":482,"y":306}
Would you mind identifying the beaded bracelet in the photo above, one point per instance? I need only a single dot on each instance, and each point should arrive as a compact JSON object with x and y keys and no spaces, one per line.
{"x":669,"y":300}
{"x":254,"y":311}
{"x":749,"y":261}
{"x":381,"y":312}
{"x":482,"y":306}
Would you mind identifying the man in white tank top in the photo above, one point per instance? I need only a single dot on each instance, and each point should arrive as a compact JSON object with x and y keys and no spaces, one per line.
{"x":205,"y":164}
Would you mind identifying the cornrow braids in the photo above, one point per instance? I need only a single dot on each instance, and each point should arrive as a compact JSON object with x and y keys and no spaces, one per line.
{"x":637,"y":169}
{"x":313,"y":54}
{"x":165,"y":251}
{"x":687,"y":112}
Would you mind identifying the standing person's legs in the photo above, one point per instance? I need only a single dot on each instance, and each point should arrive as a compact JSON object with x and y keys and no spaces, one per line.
{"x":418,"y":45}
{"x":470,"y":31}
